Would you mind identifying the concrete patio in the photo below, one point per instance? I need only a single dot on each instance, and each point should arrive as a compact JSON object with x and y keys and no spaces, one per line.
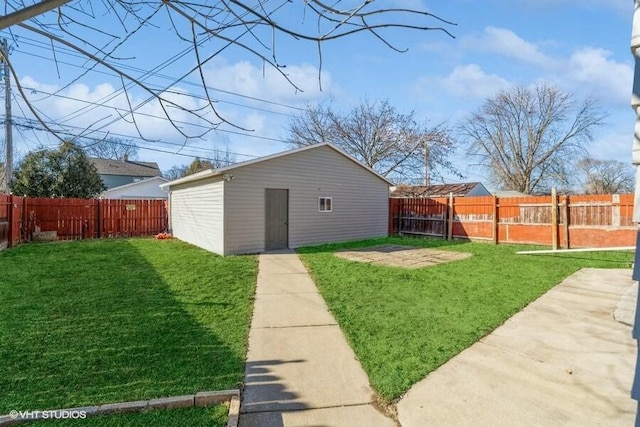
{"x":563,"y":360}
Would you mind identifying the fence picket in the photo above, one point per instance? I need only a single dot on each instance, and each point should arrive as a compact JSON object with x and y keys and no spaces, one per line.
{"x":587,"y":220}
{"x":26,"y":218}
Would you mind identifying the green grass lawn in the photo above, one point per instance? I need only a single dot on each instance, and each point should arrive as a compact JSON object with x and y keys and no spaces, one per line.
{"x":403,"y":324}
{"x":215,"y":416}
{"x":96,"y":321}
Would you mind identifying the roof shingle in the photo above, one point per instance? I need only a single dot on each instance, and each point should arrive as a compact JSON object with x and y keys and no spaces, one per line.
{"x":126,"y":168}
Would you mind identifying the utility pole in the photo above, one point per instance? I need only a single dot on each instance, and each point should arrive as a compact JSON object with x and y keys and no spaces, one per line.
{"x":8,"y":164}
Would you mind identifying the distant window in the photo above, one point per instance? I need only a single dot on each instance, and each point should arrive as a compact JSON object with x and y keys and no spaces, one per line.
{"x":325,"y":204}
{"x":137,"y":179}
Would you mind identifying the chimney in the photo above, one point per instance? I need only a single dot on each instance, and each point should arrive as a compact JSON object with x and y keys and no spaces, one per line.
{"x":125,"y":158}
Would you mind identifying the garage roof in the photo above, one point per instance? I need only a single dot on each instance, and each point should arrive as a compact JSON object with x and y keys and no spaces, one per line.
{"x":220,"y":171}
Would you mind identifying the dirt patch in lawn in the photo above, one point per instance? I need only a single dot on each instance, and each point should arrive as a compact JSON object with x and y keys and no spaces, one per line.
{"x":401,"y":256}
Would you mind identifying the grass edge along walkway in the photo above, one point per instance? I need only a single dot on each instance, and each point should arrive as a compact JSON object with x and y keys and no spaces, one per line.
{"x":403,"y":323}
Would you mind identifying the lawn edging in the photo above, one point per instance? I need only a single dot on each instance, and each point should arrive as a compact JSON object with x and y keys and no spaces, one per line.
{"x":201,"y":399}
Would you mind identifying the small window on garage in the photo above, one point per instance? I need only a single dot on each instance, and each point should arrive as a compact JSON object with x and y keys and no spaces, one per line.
{"x":325,"y":204}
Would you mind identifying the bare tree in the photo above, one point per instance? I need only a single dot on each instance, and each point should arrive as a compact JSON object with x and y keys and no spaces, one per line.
{"x":607,"y":176}
{"x":175,"y":172}
{"x":529,"y":139}
{"x":394,"y":144}
{"x":111,"y":148}
{"x":105,"y":33}
{"x":220,"y":159}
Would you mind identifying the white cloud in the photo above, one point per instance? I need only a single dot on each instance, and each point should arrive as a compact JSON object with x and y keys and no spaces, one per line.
{"x":590,"y":71}
{"x":595,"y":72}
{"x":247,"y":79}
{"x":82,"y":106}
{"x":256,"y":122}
{"x":466,"y":81}
{"x":623,"y":6}
{"x":614,"y":144}
{"x":507,"y":43}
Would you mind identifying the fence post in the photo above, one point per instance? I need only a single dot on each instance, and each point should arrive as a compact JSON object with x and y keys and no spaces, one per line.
{"x":97,"y":213}
{"x":26,"y":224}
{"x":496,"y":237}
{"x":450,"y":222}
{"x":615,"y":210}
{"x":10,"y":219}
{"x":393,"y":209}
{"x":554,"y":219}
{"x":565,"y":222}
{"x":400,"y":211}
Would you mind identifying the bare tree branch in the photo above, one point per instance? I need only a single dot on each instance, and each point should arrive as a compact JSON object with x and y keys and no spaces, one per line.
{"x":607,"y":176}
{"x":529,"y":139}
{"x":111,"y":148}
{"x":392,"y":143}
{"x":253,"y":28}
{"x":30,"y":12}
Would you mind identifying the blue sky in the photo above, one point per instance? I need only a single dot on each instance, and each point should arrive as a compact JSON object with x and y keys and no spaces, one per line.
{"x":580,"y":46}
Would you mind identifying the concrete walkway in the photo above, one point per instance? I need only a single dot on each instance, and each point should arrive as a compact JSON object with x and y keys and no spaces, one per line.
{"x":562,"y":361}
{"x":300,"y":370}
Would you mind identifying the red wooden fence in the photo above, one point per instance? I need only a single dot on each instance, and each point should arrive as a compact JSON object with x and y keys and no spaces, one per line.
{"x":579,"y":220}
{"x":26,"y":219}
{"x":10,"y":220}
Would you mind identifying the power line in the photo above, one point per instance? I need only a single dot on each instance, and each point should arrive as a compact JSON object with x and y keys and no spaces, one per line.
{"x":226,"y":102}
{"x":123,"y":110}
{"x":39,"y":45}
{"x":35,"y":125}
{"x":69,"y":52}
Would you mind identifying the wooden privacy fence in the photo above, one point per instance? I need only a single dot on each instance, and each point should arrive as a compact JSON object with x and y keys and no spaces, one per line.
{"x":557,"y":221}
{"x":26,"y":218}
{"x":10,"y":220}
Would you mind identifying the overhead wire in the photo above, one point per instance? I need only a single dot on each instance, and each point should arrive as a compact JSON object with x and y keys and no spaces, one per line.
{"x":153,"y":116}
{"x":227,"y":102}
{"x":50,"y":120}
{"x":37,"y":43}
{"x":166,"y":77}
{"x":29,"y":123}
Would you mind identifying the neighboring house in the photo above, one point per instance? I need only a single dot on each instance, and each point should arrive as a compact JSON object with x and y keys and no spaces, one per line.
{"x":509,"y":193}
{"x":115,"y":173}
{"x":310,"y":195}
{"x":468,"y":189}
{"x":148,"y":188}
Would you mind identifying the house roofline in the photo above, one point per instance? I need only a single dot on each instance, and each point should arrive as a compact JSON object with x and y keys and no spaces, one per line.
{"x":131,"y":184}
{"x":209,"y":173}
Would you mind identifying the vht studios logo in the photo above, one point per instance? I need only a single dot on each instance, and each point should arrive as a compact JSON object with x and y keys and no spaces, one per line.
{"x":48,"y":415}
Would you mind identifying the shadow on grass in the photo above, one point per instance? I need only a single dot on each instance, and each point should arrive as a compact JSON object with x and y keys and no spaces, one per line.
{"x":105,"y":321}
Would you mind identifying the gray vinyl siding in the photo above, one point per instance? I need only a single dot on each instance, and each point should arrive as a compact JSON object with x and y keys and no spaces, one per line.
{"x":360,"y":200}
{"x":197,"y":214}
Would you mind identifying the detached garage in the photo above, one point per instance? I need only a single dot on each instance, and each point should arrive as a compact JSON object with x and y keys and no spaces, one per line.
{"x":310,"y":195}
